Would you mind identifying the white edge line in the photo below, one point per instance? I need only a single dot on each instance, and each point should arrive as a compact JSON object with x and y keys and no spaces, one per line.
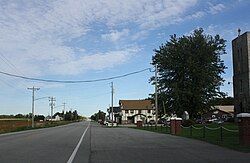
{"x":78,"y":145}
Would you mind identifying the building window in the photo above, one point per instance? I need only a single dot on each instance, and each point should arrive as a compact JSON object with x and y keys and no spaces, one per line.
{"x":139,"y":111}
{"x":149,"y":111}
{"x":126,"y":111}
{"x":132,"y":111}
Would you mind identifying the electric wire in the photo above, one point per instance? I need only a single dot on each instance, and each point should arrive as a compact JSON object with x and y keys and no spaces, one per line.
{"x":12,"y":66}
{"x":73,"y":81}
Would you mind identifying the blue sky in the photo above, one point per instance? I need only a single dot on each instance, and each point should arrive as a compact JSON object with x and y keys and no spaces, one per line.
{"x":82,"y":40}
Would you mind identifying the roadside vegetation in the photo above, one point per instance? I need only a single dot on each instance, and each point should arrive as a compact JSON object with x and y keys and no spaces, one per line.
{"x":225,"y":135}
{"x":19,"y":122}
{"x":14,"y":125}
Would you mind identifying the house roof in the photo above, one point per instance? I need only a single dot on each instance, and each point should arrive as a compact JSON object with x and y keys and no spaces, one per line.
{"x":225,"y":108}
{"x":135,"y":104}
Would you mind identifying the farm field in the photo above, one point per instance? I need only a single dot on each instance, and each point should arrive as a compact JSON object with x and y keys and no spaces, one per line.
{"x":13,"y":125}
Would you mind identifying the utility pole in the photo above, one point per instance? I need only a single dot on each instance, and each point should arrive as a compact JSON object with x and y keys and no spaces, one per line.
{"x":52,"y":104}
{"x":156,"y":95}
{"x":33,"y":103}
{"x":112,"y":99}
{"x":64,"y":110}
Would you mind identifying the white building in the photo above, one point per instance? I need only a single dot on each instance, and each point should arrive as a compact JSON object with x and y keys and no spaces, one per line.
{"x":136,"y":110}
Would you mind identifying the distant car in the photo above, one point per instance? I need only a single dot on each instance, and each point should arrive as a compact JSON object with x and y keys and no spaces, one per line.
{"x":152,"y":122}
{"x":219,"y":121}
{"x":166,"y":123}
{"x":109,"y":123}
{"x":161,"y":121}
{"x":100,"y":121}
{"x":212,"y":120}
{"x":199,"y":121}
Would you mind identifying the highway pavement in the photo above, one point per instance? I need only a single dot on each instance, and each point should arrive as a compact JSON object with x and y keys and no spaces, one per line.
{"x":89,"y":142}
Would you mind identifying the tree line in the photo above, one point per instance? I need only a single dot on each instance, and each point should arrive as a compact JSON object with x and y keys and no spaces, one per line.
{"x":67,"y":116}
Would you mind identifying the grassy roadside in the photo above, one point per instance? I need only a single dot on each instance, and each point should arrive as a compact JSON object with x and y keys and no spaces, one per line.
{"x":213,"y":133}
{"x":15,"y":126}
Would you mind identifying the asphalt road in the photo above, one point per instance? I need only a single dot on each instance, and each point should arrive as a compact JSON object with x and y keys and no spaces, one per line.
{"x":80,"y":142}
{"x":51,"y":145}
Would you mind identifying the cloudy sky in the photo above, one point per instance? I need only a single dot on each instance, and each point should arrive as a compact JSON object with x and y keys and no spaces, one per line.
{"x":83,"y":40}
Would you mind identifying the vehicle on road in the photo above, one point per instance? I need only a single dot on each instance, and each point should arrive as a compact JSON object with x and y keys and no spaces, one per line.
{"x":152,"y":122}
{"x":109,"y":123}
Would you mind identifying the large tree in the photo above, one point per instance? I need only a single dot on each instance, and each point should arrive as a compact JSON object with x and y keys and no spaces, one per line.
{"x":190,"y":69}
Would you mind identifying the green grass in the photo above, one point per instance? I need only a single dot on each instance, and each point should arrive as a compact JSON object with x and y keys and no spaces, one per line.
{"x":228,"y":139}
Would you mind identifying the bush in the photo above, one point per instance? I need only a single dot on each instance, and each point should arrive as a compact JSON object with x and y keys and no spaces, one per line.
{"x":230,"y":120}
{"x":187,"y":123}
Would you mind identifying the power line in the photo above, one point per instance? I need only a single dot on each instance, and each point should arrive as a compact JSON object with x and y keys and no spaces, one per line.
{"x":12,"y":66}
{"x":73,"y":81}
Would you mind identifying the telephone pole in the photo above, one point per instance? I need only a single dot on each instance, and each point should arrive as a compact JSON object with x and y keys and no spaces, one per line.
{"x":156,"y":96}
{"x":112,"y":99}
{"x":33,"y":103}
{"x":52,"y":104}
{"x":64,"y":104}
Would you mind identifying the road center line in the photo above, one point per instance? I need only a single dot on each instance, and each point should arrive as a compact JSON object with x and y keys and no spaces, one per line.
{"x":78,"y":145}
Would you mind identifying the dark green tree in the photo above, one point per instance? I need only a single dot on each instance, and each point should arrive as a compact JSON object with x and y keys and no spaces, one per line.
{"x":223,"y":101}
{"x":190,"y":69}
{"x":75,"y":115}
{"x":39,"y":117}
{"x":68,"y":116}
{"x":100,"y":115}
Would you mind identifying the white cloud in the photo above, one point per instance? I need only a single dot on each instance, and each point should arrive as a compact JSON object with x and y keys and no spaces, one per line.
{"x":139,"y":35}
{"x":97,"y":61}
{"x":37,"y":36}
{"x":196,"y":15}
{"x":115,"y":35}
{"x":214,"y":9}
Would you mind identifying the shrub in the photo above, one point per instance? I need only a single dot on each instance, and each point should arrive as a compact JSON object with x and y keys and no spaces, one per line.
{"x":188,"y":122}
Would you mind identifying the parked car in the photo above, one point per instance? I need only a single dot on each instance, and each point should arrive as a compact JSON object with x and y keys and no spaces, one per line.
{"x":219,"y":121}
{"x":152,"y":122}
{"x":109,"y":123}
{"x":161,"y":121}
{"x":199,"y":121}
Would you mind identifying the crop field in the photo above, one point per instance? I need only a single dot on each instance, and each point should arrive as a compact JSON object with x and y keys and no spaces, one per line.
{"x":8,"y":125}
{"x":12,"y":125}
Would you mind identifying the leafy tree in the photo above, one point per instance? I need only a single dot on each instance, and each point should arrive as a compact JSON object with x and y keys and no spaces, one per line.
{"x":223,"y":101}
{"x":59,"y":114}
{"x":19,"y":116}
{"x":100,"y":115}
{"x":68,"y":116}
{"x":39,"y":117}
{"x":75,"y":115}
{"x":190,"y":71}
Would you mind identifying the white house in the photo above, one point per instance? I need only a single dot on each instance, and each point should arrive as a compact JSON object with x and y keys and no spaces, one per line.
{"x":136,"y":110}
{"x":57,"y":118}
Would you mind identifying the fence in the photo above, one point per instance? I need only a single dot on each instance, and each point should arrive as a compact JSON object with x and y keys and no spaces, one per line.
{"x":215,"y":135}
{"x":157,"y":128}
